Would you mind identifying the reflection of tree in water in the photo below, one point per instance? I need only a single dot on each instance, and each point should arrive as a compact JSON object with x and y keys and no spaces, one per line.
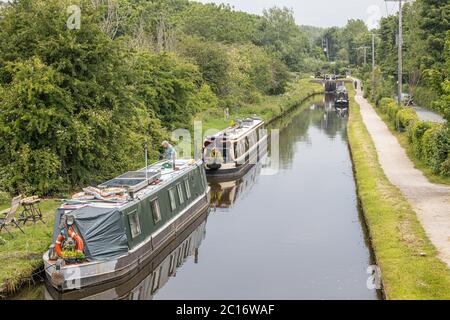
{"x":294,"y":126}
{"x":332,"y":124}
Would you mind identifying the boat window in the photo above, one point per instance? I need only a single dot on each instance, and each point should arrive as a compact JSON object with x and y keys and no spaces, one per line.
{"x":171,"y":265}
{"x":173,"y":203}
{"x":253,"y":138}
{"x":180,"y":193}
{"x":239,"y":149}
{"x":156,"y":278}
{"x":188,"y":188}
{"x":156,"y":212}
{"x":135,"y":226}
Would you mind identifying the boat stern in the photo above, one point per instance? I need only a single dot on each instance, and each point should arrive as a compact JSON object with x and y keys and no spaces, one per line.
{"x":65,"y":277}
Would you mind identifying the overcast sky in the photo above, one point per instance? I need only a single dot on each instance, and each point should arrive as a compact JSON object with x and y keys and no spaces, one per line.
{"x":321,"y":13}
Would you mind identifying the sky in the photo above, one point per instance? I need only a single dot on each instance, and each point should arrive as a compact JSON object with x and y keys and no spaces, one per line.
{"x":321,"y":13}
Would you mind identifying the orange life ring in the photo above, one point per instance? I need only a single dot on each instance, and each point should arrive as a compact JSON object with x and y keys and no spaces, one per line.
{"x":79,"y":242}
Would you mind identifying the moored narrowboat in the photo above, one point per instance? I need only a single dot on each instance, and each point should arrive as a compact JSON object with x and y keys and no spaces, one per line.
{"x":341,"y":100}
{"x":146,"y":280}
{"x":104,"y":233}
{"x":232,"y":152}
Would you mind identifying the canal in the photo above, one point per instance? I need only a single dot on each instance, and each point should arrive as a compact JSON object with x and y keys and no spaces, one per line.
{"x":295,"y":234}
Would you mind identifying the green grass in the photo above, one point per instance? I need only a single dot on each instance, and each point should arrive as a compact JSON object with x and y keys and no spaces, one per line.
{"x":408,"y":261}
{"x":418,"y":164}
{"x":19,"y":257}
{"x":268,"y":108}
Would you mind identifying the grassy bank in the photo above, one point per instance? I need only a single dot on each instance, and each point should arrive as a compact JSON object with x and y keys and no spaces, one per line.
{"x":408,"y":261}
{"x":20,"y":257}
{"x":268,"y":108}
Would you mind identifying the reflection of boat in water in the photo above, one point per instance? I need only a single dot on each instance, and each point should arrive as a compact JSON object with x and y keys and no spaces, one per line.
{"x":231,"y":152}
{"x":225,"y":193}
{"x":152,"y":276}
{"x":111,"y":239}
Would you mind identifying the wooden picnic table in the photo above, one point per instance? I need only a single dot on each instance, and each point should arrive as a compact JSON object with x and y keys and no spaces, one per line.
{"x":31,"y":210}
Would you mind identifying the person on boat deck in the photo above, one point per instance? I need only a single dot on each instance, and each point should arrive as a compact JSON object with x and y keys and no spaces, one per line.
{"x":169,"y":151}
{"x":216,"y":155}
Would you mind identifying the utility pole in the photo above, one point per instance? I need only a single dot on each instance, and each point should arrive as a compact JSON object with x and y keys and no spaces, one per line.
{"x":325,"y":46}
{"x":365,"y":52}
{"x":373,"y":66}
{"x":400,"y":50}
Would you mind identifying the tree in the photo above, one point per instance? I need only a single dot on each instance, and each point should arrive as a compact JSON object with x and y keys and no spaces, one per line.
{"x":68,"y":102}
{"x":279,"y":33}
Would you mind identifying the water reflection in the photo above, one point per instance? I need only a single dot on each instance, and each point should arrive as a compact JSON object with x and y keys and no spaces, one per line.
{"x":225,"y":193}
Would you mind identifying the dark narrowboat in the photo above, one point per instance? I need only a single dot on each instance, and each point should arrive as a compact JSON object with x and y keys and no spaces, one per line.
{"x":146,"y":280}
{"x":105,"y":233}
{"x":341,"y":99}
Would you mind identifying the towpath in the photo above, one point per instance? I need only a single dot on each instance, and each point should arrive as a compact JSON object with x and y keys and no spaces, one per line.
{"x":430,"y":201}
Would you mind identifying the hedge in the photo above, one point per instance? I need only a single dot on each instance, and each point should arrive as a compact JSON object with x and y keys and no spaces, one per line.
{"x":404,"y":118}
{"x":430,"y":142}
{"x":415,"y":133}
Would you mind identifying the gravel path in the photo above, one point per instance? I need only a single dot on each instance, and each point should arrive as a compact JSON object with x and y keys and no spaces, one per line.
{"x":428,"y":115}
{"x":430,"y":201}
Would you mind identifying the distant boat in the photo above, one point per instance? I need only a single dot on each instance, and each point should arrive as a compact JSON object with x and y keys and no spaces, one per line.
{"x":341,"y":99}
{"x":105,"y":233}
{"x":232,"y":152}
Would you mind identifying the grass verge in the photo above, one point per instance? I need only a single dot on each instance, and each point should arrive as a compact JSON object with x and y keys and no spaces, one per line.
{"x":21,"y":256}
{"x":408,"y":261}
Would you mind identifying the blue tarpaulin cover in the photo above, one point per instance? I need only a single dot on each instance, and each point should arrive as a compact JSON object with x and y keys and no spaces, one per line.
{"x":102,"y":230}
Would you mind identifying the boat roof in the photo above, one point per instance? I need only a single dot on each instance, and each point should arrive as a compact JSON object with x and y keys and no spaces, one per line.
{"x":240,"y":129}
{"x":158,"y":175}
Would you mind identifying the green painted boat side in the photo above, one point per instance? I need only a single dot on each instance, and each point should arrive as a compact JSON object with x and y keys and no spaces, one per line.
{"x":197,"y":183}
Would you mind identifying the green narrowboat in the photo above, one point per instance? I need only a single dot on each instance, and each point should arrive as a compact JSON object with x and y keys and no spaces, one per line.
{"x":146,"y":280}
{"x":105,"y":233}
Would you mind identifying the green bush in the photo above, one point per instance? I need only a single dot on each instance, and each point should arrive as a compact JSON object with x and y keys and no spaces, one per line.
{"x":445,"y":167}
{"x":384,"y":103}
{"x":4,"y":197}
{"x":415,"y":133}
{"x":404,"y":118}
{"x":391,"y":110}
{"x":436,"y":148}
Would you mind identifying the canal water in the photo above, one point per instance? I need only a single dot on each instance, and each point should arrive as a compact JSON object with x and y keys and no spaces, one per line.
{"x":295,"y":234}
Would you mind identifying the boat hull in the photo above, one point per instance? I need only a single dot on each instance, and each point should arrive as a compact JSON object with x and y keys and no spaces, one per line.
{"x":75,"y":277}
{"x":341,"y":104}
{"x":123,"y":287}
